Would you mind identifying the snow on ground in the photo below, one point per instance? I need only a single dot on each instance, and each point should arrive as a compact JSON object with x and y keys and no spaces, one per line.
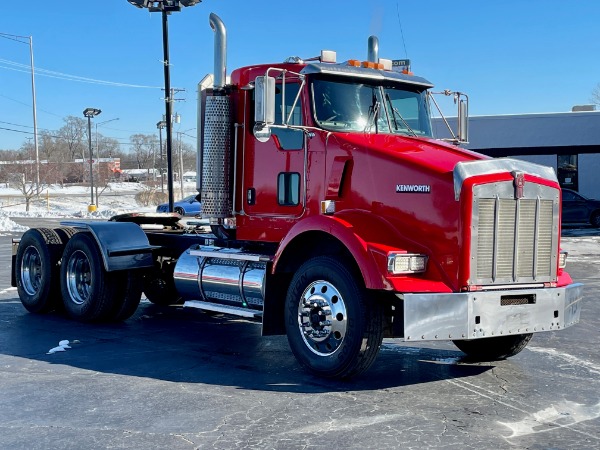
{"x":73,"y":202}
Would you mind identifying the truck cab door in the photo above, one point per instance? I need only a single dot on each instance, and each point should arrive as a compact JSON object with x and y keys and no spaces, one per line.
{"x":273,"y":184}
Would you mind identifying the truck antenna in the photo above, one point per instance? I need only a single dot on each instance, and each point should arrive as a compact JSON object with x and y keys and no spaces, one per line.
{"x":401,"y":32}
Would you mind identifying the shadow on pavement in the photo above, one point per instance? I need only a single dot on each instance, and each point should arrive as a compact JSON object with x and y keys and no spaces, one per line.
{"x":178,"y":345}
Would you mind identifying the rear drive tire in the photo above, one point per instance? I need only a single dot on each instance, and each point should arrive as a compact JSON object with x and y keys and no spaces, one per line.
{"x":495,"y":348}
{"x":37,"y":269}
{"x":159,"y":286}
{"x":129,"y":295}
{"x":179,"y":210}
{"x":332,"y":328}
{"x":88,"y":291}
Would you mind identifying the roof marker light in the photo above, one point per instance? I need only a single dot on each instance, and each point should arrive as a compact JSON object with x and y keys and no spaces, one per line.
{"x":328,"y":56}
{"x":354,"y":62}
{"x":387,"y":63}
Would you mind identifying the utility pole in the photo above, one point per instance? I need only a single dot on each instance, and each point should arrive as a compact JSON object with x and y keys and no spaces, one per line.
{"x":160,"y":125}
{"x":180,"y":165}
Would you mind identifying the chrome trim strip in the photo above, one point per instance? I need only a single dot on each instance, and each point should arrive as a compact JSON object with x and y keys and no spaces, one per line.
{"x":361,"y":72}
{"x":468,"y":169}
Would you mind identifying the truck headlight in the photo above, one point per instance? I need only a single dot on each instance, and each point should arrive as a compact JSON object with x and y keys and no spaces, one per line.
{"x":562,"y":260}
{"x":399,"y":263}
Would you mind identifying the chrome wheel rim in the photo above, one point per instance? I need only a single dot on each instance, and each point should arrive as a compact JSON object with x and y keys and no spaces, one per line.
{"x":31,"y":270}
{"x":79,"y":277}
{"x":322,"y":318}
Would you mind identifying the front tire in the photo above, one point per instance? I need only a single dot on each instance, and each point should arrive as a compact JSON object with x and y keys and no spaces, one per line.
{"x":89,"y":292}
{"x":495,"y":348}
{"x":332,"y":328}
{"x":36,"y":270}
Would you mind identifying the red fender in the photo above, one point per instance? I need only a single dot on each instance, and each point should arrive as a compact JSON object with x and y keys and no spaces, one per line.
{"x":345,"y":233}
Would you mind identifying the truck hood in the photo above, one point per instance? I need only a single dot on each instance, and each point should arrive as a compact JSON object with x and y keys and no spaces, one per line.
{"x":431,"y":154}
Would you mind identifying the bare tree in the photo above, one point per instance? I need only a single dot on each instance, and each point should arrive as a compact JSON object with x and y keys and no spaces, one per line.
{"x":145,"y":148}
{"x":21,"y":174}
{"x":73,"y":135}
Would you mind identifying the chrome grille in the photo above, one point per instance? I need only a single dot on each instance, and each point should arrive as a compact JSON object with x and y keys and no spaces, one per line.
{"x":514,"y":240}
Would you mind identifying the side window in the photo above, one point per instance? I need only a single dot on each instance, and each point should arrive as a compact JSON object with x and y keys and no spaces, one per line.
{"x":288,"y":188}
{"x":291,"y":92}
{"x":287,"y":138}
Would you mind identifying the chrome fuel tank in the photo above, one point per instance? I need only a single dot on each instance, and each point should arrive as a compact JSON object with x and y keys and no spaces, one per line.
{"x":219,"y":275}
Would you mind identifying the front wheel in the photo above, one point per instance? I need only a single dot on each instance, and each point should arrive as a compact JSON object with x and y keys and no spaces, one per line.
{"x":332,"y":329}
{"x":494,"y":348}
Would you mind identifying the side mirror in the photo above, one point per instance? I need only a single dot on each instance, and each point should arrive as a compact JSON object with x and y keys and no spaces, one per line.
{"x":264,"y":111}
{"x":463,"y":121}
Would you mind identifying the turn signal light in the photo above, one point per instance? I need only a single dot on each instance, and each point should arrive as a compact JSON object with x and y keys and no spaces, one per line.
{"x":399,"y":263}
{"x":562,"y":260}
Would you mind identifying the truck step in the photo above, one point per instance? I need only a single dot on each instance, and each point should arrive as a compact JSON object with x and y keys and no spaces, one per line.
{"x":228,"y":253}
{"x":224,"y":309}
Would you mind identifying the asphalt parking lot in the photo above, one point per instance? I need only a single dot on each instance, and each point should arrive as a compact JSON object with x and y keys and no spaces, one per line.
{"x":181,"y":379}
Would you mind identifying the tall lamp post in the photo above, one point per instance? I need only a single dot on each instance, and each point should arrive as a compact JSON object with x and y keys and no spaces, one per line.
{"x":89,"y":113}
{"x":35,"y":133}
{"x":160,"y":125}
{"x":166,"y":7}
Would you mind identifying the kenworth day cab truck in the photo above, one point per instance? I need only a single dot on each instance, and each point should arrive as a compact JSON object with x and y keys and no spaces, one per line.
{"x":335,"y":218}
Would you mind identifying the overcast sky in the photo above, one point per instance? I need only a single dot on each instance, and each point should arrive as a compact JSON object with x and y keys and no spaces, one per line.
{"x":510,"y":56}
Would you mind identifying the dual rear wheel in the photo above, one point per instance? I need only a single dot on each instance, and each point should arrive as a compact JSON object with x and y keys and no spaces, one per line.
{"x":52,"y":273}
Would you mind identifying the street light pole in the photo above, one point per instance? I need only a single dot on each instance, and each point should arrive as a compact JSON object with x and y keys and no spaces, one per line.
{"x":166,"y":7}
{"x":21,"y":40}
{"x":89,"y":113}
{"x":35,"y":134}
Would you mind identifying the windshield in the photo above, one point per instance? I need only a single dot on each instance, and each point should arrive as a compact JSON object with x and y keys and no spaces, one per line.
{"x":355,"y":106}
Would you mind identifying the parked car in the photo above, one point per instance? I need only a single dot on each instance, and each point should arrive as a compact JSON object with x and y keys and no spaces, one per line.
{"x":578,"y":209}
{"x":187,"y":206}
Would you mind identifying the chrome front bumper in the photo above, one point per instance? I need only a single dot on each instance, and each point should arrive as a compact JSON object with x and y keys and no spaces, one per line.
{"x":475,"y":315}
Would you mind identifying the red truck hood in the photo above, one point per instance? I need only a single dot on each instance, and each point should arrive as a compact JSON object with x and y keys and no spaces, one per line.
{"x":436,"y":156}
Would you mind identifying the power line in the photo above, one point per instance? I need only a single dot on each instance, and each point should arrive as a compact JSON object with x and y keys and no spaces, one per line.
{"x":29,"y":105}
{"x":18,"y":67}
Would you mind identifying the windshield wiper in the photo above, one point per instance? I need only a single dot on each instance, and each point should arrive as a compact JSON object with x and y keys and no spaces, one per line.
{"x":373,"y":113}
{"x":395,"y":114}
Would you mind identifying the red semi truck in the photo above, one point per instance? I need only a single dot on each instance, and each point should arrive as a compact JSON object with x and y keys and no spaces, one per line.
{"x":336,"y":218}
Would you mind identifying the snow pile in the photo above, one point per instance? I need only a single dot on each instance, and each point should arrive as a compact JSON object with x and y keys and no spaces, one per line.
{"x":62,"y":346}
{"x":8,"y":225}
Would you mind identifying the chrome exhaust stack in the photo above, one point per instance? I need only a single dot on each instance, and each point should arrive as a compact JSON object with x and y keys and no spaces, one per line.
{"x":220,"y":61}
{"x":373,"y":51}
{"x":215,"y":157}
